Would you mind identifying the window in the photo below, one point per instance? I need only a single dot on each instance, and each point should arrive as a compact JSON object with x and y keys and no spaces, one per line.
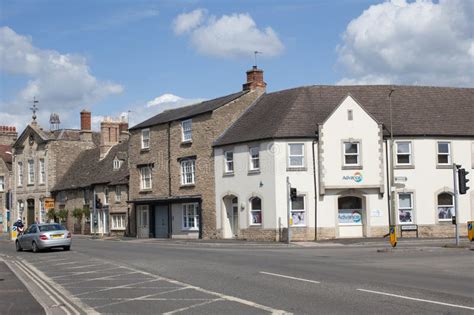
{"x":118,"y":194}
{"x":229,"y":161}
{"x":256,"y":211}
{"x":42,"y":178}
{"x":2,"y":183}
{"x":351,"y":153}
{"x":296,"y":155}
{"x":20,"y":173}
{"x":187,"y":172}
{"x":86,"y":196}
{"x":190,"y":216}
{"x":445,"y":207}
{"x":117,"y":164}
{"x":349,"y":210}
{"x":145,"y":138}
{"x":405,"y":208}
{"x":350,"y":115}
{"x":444,"y":153}
{"x":187,"y":130}
{"x":62,"y":197}
{"x":404,"y":153}
{"x":145,"y":177}
{"x":254,"y":158}
{"x":118,"y":221}
{"x":31,"y":172}
{"x":298,"y":212}
{"x":106,"y":196}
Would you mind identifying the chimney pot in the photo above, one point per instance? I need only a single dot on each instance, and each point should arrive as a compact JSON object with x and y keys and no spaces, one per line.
{"x":85,"y":120}
{"x":254,"y":79}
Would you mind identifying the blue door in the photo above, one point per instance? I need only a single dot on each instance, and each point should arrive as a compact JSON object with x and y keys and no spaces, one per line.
{"x":161,"y":222}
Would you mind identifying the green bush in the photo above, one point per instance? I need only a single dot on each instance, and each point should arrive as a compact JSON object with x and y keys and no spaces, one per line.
{"x":62,"y":214}
{"x":52,"y":215}
{"x":78,"y":213}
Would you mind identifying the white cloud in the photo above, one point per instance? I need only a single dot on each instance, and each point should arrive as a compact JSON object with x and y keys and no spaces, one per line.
{"x":402,"y":42}
{"x":187,"y":21}
{"x":229,"y":36}
{"x":62,"y":82}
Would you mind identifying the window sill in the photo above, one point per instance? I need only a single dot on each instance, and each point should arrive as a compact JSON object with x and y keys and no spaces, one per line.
{"x":42,"y":184}
{"x":144,"y":191}
{"x":352,"y":167}
{"x":255,"y":226}
{"x":404,"y":167}
{"x":447,"y":221}
{"x":30,"y":185}
{"x":117,"y":229}
{"x":444,"y":166}
{"x":187,"y":185}
{"x":143,"y":150}
{"x":296,"y":169}
{"x":299,"y":226}
{"x":189,"y":229}
{"x":187,"y":142}
{"x":228,"y":174}
{"x":253,"y":172}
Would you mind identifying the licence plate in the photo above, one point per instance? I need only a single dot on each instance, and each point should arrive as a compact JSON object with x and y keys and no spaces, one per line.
{"x":57,"y":235}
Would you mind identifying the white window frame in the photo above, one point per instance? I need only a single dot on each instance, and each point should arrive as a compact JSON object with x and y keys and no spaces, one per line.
{"x":31,"y":172}
{"x":252,"y":211}
{"x":444,"y":206}
{"x":20,"y":174}
{"x":145,"y":177}
{"x":145,"y":139}
{"x":302,"y":155}
{"x":2,"y":183}
{"x":299,"y":211}
{"x":187,"y":130}
{"x":438,"y":154}
{"x":411,"y":208}
{"x":254,"y":158}
{"x":118,"y":194}
{"x":188,"y":172}
{"x":117,"y":164}
{"x":42,"y":172}
{"x":118,"y":221}
{"x":351,"y":154}
{"x":190,"y":210}
{"x":228,"y":162}
{"x":106,"y":196}
{"x":409,"y":153}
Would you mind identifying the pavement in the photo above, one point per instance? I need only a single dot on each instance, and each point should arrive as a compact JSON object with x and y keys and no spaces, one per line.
{"x":193,"y":277}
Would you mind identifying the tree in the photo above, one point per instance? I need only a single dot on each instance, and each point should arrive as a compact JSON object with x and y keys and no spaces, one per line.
{"x":78,"y":213}
{"x":52,"y":215}
{"x":62,"y":215}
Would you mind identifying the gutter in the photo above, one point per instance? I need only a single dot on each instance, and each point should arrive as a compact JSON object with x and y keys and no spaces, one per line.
{"x":315,"y":194}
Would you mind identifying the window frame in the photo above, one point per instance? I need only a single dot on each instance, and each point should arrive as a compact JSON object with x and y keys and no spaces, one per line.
{"x":145,"y":141}
{"x":299,"y":210}
{"x":227,"y":162}
{"x":410,"y":153}
{"x":20,"y":174}
{"x":144,"y":177}
{"x":118,"y":194}
{"x":185,"y":214}
{"x":357,"y":155}
{"x":444,"y":206}
{"x":2,"y":183}
{"x":122,"y":225}
{"x":31,"y":172}
{"x":438,"y":154}
{"x":410,"y":209}
{"x":187,"y":132}
{"x":303,"y":153}
{"x":185,"y":172}
{"x":117,"y":164}
{"x":106,"y":196}
{"x":253,"y":159}
{"x":42,"y":171}
{"x":252,"y":210}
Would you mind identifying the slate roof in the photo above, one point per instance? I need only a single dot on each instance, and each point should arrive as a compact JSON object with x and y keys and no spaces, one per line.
{"x":6,"y":157}
{"x":88,"y":169}
{"x":296,"y":113}
{"x":189,"y":111}
{"x":56,"y":135}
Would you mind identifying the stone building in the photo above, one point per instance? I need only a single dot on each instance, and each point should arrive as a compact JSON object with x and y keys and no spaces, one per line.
{"x":8,"y":135}
{"x":101,"y":172}
{"x":334,"y":144}
{"x":172,"y":164}
{"x":42,"y":157}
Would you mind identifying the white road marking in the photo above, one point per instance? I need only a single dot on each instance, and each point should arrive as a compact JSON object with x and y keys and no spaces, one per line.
{"x":68,"y":263}
{"x":192,"y":306}
{"x":288,"y":277}
{"x":416,"y":299}
{"x":119,"y":287}
{"x":76,"y":273}
{"x":85,"y":266}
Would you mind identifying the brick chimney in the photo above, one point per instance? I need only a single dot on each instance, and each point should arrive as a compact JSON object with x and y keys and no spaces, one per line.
{"x":8,"y":135}
{"x":86,"y":129}
{"x":254,"y":79}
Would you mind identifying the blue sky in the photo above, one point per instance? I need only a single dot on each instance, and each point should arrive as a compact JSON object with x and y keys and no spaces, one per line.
{"x":112,"y":56}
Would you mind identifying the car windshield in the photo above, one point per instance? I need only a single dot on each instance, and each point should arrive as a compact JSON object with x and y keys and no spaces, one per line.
{"x":50,"y":227}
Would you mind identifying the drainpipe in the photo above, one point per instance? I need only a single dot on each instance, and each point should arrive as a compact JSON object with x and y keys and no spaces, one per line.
{"x":389,"y":193}
{"x":315,"y":194}
{"x":169,"y":159}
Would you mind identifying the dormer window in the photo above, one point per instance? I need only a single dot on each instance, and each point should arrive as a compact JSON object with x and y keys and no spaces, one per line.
{"x":187,"y":130}
{"x":117,"y":164}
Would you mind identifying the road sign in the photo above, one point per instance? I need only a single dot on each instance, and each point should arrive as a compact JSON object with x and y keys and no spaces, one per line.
{"x":470,"y":230}
{"x":49,"y":203}
{"x":393,"y":235}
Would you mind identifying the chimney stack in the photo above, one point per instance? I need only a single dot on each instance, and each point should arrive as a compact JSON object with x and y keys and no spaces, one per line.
{"x":86,"y":128}
{"x":254,"y":79}
{"x":8,"y":135}
{"x":109,"y":134}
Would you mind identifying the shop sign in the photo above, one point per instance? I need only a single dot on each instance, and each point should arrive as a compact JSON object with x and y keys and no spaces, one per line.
{"x":49,"y":203}
{"x":357,"y":177}
{"x":348,"y":216}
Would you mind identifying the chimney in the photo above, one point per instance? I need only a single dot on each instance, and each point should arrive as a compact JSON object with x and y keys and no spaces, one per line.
{"x":123,"y":131}
{"x":86,"y":130}
{"x":109,"y":135}
{"x":254,"y":79}
{"x":8,"y":135}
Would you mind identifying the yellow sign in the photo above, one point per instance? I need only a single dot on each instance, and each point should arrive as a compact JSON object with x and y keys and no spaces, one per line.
{"x":14,"y":233}
{"x":49,"y":203}
{"x":470,"y":230}
{"x":393,"y":235}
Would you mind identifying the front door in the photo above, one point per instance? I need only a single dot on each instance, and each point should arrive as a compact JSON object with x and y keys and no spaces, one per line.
{"x":30,"y":216}
{"x":235,"y":217}
{"x":143,"y":224}
{"x":161,"y":222}
{"x":350,"y":217}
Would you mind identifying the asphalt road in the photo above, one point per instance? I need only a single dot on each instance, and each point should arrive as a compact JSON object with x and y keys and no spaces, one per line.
{"x":207,"y":278}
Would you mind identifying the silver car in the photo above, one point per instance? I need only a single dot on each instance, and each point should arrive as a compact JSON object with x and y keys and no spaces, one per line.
{"x":42,"y":236}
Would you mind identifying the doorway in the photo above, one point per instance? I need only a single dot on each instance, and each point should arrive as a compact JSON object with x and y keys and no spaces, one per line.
{"x":350,"y":217}
{"x":231,"y":217}
{"x":161,"y":221}
{"x":30,"y":214}
{"x":143,"y":224}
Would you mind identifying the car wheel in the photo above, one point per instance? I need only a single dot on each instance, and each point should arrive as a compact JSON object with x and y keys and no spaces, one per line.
{"x":18,"y":246}
{"x":67,"y":247}
{"x":34,"y":247}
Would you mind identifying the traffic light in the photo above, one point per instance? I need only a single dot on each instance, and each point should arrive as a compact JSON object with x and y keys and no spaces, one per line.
{"x":293,"y":193}
{"x":463,"y":188}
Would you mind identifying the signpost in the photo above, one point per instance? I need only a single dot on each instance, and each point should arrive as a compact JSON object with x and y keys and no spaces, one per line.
{"x":455,"y":168}
{"x":393,"y":235}
{"x":470,"y":230}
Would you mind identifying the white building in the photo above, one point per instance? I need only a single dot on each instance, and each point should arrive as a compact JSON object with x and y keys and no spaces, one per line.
{"x":331,"y":142}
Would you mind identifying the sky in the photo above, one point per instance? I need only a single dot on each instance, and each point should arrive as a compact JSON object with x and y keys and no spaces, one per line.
{"x":138,"y":58}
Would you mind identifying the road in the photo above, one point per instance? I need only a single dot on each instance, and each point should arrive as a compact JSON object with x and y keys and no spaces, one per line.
{"x":147,"y":277}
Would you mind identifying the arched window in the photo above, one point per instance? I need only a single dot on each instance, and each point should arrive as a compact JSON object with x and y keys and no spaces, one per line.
{"x":445,"y":207}
{"x":256,"y":211}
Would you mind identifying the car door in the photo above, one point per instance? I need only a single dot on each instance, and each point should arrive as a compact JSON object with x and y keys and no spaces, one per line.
{"x":24,"y":239}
